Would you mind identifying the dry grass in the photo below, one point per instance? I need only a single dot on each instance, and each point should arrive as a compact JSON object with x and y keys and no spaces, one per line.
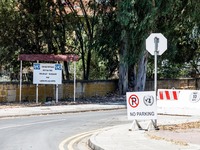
{"x":155,"y":137}
{"x":171,"y":129}
{"x":182,"y":126}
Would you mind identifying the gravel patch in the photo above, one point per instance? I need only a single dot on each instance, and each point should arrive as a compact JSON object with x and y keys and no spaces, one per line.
{"x":183,"y":134}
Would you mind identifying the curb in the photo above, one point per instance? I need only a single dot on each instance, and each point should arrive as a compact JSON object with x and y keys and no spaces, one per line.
{"x":39,"y":112}
{"x":92,"y":143}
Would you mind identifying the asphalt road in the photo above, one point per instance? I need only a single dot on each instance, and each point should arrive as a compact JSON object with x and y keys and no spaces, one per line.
{"x":46,"y":132}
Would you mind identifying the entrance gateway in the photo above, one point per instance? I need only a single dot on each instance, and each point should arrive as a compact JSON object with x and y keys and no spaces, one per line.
{"x":57,"y":70}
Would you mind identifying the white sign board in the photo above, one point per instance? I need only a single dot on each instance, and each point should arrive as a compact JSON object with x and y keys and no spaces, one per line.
{"x":47,"y":73}
{"x":141,"y":105}
{"x":162,"y":43}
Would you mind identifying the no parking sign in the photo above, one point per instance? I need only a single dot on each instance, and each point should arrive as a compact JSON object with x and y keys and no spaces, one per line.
{"x":141,"y":105}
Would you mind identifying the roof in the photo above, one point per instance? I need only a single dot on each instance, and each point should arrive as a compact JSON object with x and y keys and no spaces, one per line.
{"x":48,"y":57}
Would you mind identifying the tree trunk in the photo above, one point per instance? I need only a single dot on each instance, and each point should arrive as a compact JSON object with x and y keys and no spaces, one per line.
{"x":132,"y":70}
{"x":123,"y":67}
{"x":141,"y":75}
{"x":65,"y":71}
{"x":123,"y":78}
{"x":88,"y":64}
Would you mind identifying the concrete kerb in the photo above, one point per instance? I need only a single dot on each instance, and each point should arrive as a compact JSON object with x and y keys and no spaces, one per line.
{"x":107,"y":134}
{"x":92,"y":143}
{"x":46,"y":110}
{"x":144,"y":140}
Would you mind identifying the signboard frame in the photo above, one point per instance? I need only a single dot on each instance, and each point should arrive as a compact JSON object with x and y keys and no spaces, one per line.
{"x":47,"y":57}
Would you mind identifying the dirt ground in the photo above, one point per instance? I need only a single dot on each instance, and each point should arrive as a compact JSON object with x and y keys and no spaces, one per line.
{"x":178,"y":133}
{"x":109,"y":98}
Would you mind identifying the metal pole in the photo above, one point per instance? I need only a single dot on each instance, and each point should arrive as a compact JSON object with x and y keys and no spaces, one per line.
{"x":156,"y":41}
{"x":74,"y":81}
{"x":36,"y":93}
{"x":20,"y":83}
{"x":56,"y":93}
{"x":37,"y":89}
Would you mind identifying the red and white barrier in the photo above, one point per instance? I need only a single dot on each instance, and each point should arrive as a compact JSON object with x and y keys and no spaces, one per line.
{"x":166,"y":94}
{"x":181,"y":102}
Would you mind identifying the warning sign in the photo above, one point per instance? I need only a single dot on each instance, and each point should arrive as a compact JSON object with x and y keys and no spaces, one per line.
{"x":141,"y":105}
{"x":194,"y":97}
{"x":133,"y":101}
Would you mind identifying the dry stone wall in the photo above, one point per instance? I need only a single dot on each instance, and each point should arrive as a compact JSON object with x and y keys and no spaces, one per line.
{"x":9,"y":91}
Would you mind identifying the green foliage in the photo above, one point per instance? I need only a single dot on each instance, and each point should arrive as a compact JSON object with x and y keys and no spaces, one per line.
{"x":178,"y":24}
{"x":126,"y":15}
{"x":169,"y":70}
{"x":32,"y":26}
{"x":107,"y":42}
{"x":8,"y":32}
{"x":41,"y":26}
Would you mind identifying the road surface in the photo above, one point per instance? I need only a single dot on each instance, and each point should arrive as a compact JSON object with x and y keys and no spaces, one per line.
{"x":46,"y":132}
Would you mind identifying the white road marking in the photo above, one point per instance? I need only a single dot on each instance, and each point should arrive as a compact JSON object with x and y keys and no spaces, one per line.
{"x":33,"y":123}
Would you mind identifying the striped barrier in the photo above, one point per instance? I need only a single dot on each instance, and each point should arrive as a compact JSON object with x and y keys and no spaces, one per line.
{"x":164,"y":94}
{"x":181,"y":102}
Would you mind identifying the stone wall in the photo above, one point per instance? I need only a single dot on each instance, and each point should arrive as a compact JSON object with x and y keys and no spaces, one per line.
{"x":9,"y":91}
{"x":187,"y":83}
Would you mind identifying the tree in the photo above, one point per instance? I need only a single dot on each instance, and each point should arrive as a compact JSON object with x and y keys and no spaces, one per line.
{"x":127,"y":20}
{"x":131,"y":20}
{"x":8,"y":37}
{"x":31,"y":26}
{"x":159,"y":16}
{"x":85,"y":15}
{"x":136,"y":19}
{"x":179,"y":27}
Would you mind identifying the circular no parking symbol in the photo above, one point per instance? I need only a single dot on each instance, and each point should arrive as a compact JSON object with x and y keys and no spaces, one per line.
{"x":133,"y":101}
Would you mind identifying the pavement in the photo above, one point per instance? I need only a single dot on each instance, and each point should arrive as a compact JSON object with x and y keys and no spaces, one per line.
{"x":120,"y":137}
{"x":17,"y":111}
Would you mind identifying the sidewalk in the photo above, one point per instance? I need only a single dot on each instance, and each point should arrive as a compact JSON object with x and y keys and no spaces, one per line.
{"x":43,"y":110}
{"x":120,"y":138}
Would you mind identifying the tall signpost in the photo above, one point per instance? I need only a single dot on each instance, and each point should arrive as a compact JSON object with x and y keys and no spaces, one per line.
{"x":156,"y":44}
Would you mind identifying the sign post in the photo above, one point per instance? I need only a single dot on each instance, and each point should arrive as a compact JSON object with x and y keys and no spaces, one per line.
{"x":156,"y":44}
{"x":156,"y":41}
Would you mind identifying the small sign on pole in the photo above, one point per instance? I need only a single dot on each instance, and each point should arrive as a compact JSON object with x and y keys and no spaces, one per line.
{"x":47,"y":73}
{"x":156,"y":44}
